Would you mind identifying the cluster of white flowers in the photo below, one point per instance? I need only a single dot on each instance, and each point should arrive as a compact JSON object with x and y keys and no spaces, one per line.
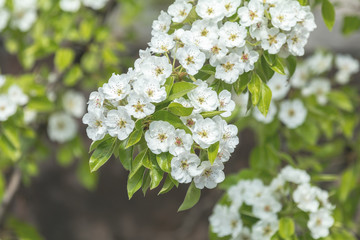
{"x":74,"y":5}
{"x":10,"y":101}
{"x":22,"y":16}
{"x":62,"y":126}
{"x":309,"y":79}
{"x":266,"y":203}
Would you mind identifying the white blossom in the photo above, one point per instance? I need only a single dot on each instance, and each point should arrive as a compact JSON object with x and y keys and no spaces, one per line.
{"x":231,"y":6}
{"x":319,"y":87}
{"x":95,"y":4}
{"x":319,"y":223}
{"x":273,"y":40}
{"x":162,"y":24}
{"x":210,"y":10}
{"x":203,"y":98}
{"x":229,"y":68}
{"x":233,"y":35}
{"x":191,"y":58}
{"x":16,"y":95}
{"x":184,"y":167}
{"x":267,"y":208}
{"x":179,"y":11}
{"x":4,"y":18}
{"x":70,"y":5}
{"x":265,"y":229}
{"x":117,"y":88}
{"x":182,"y":142}
{"x":138,"y":106}
{"x":279,"y":86}
{"x":119,"y":123}
{"x":294,"y":175}
{"x":210,"y":175}
{"x":292,"y":113}
{"x":150,"y":90}
{"x":347,"y":66}
{"x":161,"y":43}
{"x":305,"y":198}
{"x":206,"y":132}
{"x":251,"y":14}
{"x":283,"y":17}
{"x":159,"y":136}
{"x":156,"y":68}
{"x":61,"y":127}
{"x":225,"y":103}
{"x":95,"y":120}
{"x":7,"y":107}
{"x":74,"y":103}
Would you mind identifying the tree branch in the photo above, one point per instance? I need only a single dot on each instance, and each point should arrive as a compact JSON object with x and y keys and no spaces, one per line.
{"x":10,"y":192}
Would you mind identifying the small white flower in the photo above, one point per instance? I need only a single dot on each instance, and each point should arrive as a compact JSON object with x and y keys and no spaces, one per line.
{"x":159,"y":136}
{"x":244,"y":235}
{"x":224,"y":154}
{"x":251,"y":14}
{"x":292,"y":113}
{"x":273,"y":40}
{"x":204,"y":34}
{"x":161,"y":43}
{"x":305,"y":198}
{"x":296,"y":41}
{"x":24,"y":14}
{"x":283,"y":17}
{"x":95,"y":4}
{"x":162,"y":24}
{"x":95,"y":120}
{"x":150,"y":90}
{"x":226,"y":221}
{"x":300,"y":77}
{"x":157,"y":68}
{"x":117,"y":88}
{"x":184,"y":167}
{"x":347,"y":66}
{"x":217,"y":52}
{"x":248,"y":58}
{"x":61,"y":127}
{"x":279,"y":86}
{"x":203,"y":98}
{"x":2,"y":80}
{"x":265,"y":229}
{"x":7,"y":107}
{"x":229,"y":68}
{"x":320,"y":223}
{"x":29,"y":116}
{"x":210,"y":175}
{"x":119,"y":123}
{"x":16,"y":95}
{"x":237,"y":193}
{"x":211,"y":10}
{"x":138,"y":106}
{"x":191,"y":58}
{"x":229,"y":132}
{"x":270,"y":115}
{"x":267,"y":208}
{"x":225,"y":103}
{"x":258,"y":29}
{"x":70,"y":5}
{"x":206,"y":132}
{"x":293,"y":175}
{"x":190,"y":121}
{"x":4,"y":18}
{"x":182,"y":142}
{"x":255,"y":192}
{"x":74,"y":103}
{"x":319,"y":87}
{"x":320,"y":62}
{"x":233,"y":35}
{"x":96,"y":100}
{"x":179,"y":11}
{"x":231,"y":6}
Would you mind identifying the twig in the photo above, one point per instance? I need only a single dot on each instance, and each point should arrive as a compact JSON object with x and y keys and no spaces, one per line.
{"x":10,"y":192}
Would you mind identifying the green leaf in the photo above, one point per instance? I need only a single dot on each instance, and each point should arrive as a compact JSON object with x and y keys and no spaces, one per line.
{"x":89,"y":180}
{"x":341,"y":100}
{"x":265,"y":99}
{"x":134,"y":137}
{"x":179,"y":89}
{"x":286,"y":227}
{"x":254,"y":87}
{"x":164,"y":161}
{"x":303,"y":2}
{"x":137,"y":163}
{"x":278,"y":66}
{"x":22,"y":230}
{"x":102,"y":154}
{"x":125,"y":155}
{"x":170,"y":118}
{"x":211,"y":114}
{"x":350,"y":24}
{"x":135,"y":182}
{"x":146,"y":182}
{"x":241,"y":84}
{"x":63,"y":58}
{"x":328,"y":13}
{"x":192,"y":197}
{"x":168,"y":85}
{"x":73,"y":76}
{"x":168,"y":185}
{"x":40,"y":104}
{"x":291,"y":65}
{"x":348,"y":183}
{"x":156,"y":175}
{"x":213,"y":151}
{"x":95,"y":144}
{"x":180,"y":110}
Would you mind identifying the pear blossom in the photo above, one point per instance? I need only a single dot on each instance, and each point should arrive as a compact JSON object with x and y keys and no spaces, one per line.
{"x":139,"y":106}
{"x":191,"y":58}
{"x":229,"y":68}
{"x":210,"y":176}
{"x":61,"y":127}
{"x":16,"y":95}
{"x":182,"y":142}
{"x":179,"y":11}
{"x":231,"y":6}
{"x":279,"y":86}
{"x":319,"y":87}
{"x":320,"y":223}
{"x":4,"y":18}
{"x":162,"y":24}
{"x":203,"y":98}
{"x":95,"y":4}
{"x":159,"y":136}
{"x":150,"y":90}
{"x":251,"y":14}
{"x":95,"y":120}
{"x":226,"y":103}
{"x":273,"y":40}
{"x":156,"y":68}
{"x":206,"y":132}
{"x":211,"y":10}
{"x":119,"y":123}
{"x":233,"y":34}
{"x":265,"y":229}
{"x":117,"y":88}
{"x":305,"y":197}
{"x":74,"y":103}
{"x":7,"y":107}
{"x":184,"y":167}
{"x":294,"y":175}
{"x":292,"y":113}
{"x":161,"y":43}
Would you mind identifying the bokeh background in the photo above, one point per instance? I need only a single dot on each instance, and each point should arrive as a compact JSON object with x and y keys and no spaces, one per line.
{"x":58,"y":205}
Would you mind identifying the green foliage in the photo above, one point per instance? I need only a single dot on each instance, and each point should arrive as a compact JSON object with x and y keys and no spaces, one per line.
{"x":102,"y":154}
{"x":192,"y":197}
{"x":328,"y":13}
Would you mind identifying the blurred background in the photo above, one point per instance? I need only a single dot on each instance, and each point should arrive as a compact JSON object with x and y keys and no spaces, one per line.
{"x":56,"y":202}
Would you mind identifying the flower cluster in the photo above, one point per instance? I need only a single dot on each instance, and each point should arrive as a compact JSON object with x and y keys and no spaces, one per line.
{"x":10,"y":101}
{"x":308,"y":80}
{"x":62,"y":126}
{"x":74,"y":5}
{"x":289,"y":191}
{"x":22,"y":16}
